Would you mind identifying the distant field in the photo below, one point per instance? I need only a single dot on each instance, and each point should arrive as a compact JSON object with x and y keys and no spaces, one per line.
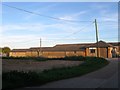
{"x":31,"y":65}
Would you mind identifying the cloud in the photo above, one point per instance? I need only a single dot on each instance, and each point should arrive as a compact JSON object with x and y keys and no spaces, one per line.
{"x":73,"y":16}
{"x":66,"y":18}
{"x":40,"y":27}
{"x":27,"y":34}
{"x":26,"y":41}
{"x":80,"y":13}
{"x":23,"y":26}
{"x":44,"y":31}
{"x":19,"y":41}
{"x":110,"y":17}
{"x":17,"y":38}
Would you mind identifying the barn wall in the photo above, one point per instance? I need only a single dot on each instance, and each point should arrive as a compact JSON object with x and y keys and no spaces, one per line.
{"x":80,"y":53}
{"x":103,"y":52}
{"x":61,"y":54}
{"x":18,"y":54}
{"x":34,"y":54}
{"x":109,"y":52}
{"x":54,"y":54}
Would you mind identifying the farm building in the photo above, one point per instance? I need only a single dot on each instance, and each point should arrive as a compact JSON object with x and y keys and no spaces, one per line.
{"x":59,"y":51}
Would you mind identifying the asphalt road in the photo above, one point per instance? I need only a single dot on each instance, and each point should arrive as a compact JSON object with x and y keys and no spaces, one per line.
{"x":106,"y":77}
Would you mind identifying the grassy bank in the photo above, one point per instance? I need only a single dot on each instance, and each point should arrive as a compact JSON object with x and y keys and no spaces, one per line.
{"x":15,"y":79}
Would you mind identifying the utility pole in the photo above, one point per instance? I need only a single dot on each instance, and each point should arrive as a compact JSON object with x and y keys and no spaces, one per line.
{"x":40,"y":48}
{"x":97,"y":37}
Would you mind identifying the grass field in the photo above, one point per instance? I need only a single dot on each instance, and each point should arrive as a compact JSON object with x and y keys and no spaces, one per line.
{"x":31,"y":65}
{"x":16,"y":79}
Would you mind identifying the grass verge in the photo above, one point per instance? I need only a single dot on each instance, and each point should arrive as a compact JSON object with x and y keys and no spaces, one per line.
{"x":15,"y":79}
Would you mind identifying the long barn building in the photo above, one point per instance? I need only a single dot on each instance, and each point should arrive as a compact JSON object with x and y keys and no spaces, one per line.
{"x":60,"y":51}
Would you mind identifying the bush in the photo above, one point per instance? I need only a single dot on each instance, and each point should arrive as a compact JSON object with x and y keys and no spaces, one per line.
{"x":71,"y":58}
{"x":77,"y":58}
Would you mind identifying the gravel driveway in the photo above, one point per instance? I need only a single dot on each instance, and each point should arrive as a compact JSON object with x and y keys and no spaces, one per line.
{"x":30,"y":65}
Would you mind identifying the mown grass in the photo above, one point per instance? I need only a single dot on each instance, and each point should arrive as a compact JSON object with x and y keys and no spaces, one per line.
{"x":15,"y":79}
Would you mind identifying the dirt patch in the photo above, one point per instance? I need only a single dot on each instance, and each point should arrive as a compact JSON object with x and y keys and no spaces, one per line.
{"x":30,"y":65}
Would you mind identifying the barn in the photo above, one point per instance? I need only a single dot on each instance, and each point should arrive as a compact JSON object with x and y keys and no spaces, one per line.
{"x":62,"y":50}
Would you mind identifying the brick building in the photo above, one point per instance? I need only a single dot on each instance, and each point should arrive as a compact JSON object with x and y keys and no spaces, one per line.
{"x":59,"y":51}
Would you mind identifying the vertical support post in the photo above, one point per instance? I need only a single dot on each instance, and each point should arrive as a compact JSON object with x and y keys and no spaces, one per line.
{"x":40,"y":48}
{"x":97,"y":37}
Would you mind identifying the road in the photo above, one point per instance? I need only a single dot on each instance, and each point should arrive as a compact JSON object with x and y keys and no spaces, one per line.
{"x":106,"y":77}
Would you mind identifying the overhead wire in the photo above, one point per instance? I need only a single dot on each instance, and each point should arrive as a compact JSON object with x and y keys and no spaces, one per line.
{"x":43,"y":15}
{"x":50,"y":16}
{"x":78,"y":30}
{"x":55,"y":18}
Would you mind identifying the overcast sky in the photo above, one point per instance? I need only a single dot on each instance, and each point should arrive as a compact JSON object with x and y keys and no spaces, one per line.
{"x":21,"y":29}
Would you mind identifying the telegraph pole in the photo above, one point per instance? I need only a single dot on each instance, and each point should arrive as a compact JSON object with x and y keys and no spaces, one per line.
{"x":97,"y":37}
{"x":40,"y":48}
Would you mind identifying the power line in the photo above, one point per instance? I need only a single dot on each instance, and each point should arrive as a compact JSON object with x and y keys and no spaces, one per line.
{"x":79,"y":30}
{"x":43,"y":15}
{"x":51,"y":16}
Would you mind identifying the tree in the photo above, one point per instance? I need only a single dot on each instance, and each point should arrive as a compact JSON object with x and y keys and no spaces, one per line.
{"x":6,"y":50}
{"x":0,"y":50}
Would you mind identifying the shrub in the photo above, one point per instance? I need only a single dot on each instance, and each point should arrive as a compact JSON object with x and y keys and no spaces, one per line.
{"x":77,"y":58}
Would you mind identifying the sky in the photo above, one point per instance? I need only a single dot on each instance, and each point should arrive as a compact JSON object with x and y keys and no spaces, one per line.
{"x":57,"y":23}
